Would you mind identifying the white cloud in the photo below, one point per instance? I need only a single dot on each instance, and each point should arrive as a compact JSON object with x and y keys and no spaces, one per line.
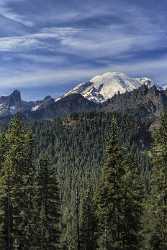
{"x":8,"y":13}
{"x":36,"y":40}
{"x":86,"y":43}
{"x":78,"y":74}
{"x":18,"y":43}
{"x":109,"y":42}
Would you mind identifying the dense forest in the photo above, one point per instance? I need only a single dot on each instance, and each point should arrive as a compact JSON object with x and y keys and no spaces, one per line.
{"x":85,"y":181}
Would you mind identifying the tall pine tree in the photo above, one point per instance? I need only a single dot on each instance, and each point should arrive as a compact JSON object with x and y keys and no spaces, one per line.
{"x":109,"y":197}
{"x":133,"y":206}
{"x":47,"y":205}
{"x":119,"y":198}
{"x":88,"y":225}
{"x":16,"y":188}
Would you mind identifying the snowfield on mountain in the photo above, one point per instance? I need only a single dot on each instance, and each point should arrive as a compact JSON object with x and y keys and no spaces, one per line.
{"x":102,"y":87}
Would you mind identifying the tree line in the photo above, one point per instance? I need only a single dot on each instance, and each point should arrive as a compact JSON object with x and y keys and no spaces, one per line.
{"x":110,"y":208}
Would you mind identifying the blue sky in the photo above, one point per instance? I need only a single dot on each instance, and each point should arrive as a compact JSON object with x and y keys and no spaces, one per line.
{"x":48,"y":46}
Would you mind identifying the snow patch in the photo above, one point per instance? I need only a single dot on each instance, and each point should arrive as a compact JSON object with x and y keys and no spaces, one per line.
{"x":103,"y":87}
{"x":35,"y":108}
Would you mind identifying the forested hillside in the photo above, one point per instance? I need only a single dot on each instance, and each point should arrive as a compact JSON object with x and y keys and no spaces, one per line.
{"x":83,"y":181}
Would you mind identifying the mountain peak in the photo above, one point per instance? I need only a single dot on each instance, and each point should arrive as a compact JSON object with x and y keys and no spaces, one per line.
{"x":103,"y":87}
{"x":15,"y":99}
{"x":16,"y":94}
{"x":109,"y":75}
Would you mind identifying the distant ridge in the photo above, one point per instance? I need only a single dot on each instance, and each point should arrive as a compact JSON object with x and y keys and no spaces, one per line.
{"x":110,"y":92}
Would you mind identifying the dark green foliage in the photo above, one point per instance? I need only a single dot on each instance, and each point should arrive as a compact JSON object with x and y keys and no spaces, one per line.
{"x":29,"y":206}
{"x":88,"y":225}
{"x":47,"y":205}
{"x":119,"y":199}
{"x":67,"y":160}
{"x":158,"y":202}
{"x":76,"y":146}
{"x":16,"y":188}
{"x":109,"y":197}
{"x":133,"y":203}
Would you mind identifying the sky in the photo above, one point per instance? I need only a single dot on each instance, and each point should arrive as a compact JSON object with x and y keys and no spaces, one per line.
{"x":49,"y":46}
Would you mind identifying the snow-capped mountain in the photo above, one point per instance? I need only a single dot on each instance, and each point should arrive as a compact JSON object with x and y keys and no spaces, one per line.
{"x":102,"y":87}
{"x":84,"y":97}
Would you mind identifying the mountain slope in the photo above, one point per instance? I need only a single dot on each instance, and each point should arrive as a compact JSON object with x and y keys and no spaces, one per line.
{"x":13,"y":103}
{"x":74,"y":103}
{"x":106,"y":93}
{"x":144,"y":102}
{"x":103,"y":87}
{"x":10,"y":105}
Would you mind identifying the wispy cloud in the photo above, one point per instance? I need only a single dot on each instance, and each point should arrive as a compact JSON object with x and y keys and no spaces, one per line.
{"x":86,"y":42}
{"x":7,"y":12}
{"x":35,"y":40}
{"x":56,"y":78}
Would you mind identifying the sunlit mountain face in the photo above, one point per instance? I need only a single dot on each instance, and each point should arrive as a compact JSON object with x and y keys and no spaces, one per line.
{"x":48,"y":47}
{"x":103,"y":87}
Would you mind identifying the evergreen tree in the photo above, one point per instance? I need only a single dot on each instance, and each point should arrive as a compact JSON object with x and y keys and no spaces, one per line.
{"x":158,"y":202}
{"x":16,"y":188}
{"x":119,"y":199}
{"x":109,"y":197}
{"x":77,"y":210}
{"x":75,"y":145}
{"x":133,"y":203}
{"x":88,"y":224}
{"x":5,"y":205}
{"x":47,"y":205}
